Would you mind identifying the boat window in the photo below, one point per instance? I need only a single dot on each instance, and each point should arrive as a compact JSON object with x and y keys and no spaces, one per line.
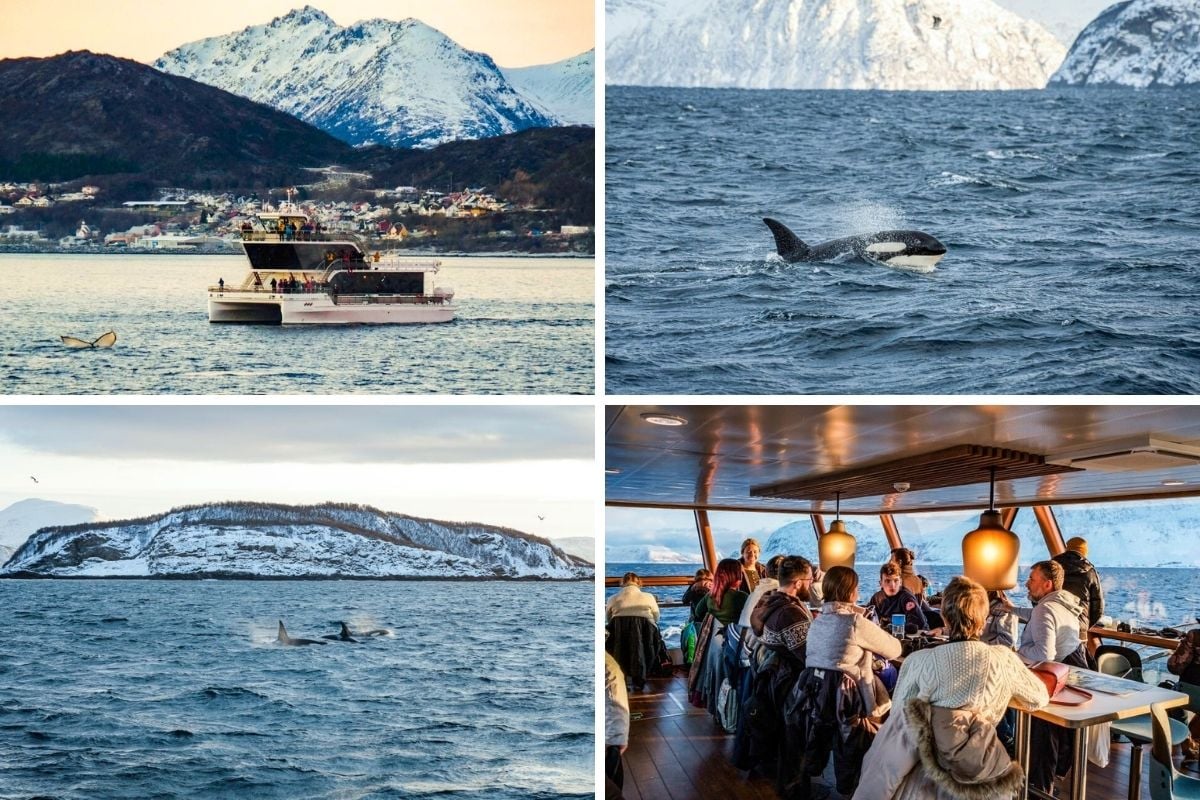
{"x":789,"y":534}
{"x":660,"y":543}
{"x":1145,"y":555}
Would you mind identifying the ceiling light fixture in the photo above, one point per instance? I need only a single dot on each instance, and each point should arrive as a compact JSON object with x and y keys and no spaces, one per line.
{"x":670,"y":420}
{"x":990,"y":551}
{"x":837,"y":547}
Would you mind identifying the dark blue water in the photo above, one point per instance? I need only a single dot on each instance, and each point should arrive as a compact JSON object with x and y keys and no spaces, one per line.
{"x":524,"y":326}
{"x":1072,"y":219}
{"x":1147,"y":597}
{"x":155,"y":689}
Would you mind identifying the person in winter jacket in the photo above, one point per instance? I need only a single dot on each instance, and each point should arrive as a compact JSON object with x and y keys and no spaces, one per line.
{"x":1002,"y":625}
{"x":895,"y":598}
{"x":1081,"y":579}
{"x":782,"y":619}
{"x":726,"y":600}
{"x":701,"y":586}
{"x":1185,"y":662}
{"x":1051,"y":634}
{"x":616,"y":721}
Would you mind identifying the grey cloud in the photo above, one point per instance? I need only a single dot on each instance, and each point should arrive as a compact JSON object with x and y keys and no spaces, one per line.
{"x":308,"y":434}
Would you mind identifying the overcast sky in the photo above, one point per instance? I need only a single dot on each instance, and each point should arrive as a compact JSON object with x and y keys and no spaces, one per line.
{"x":1064,"y":18}
{"x":501,"y":465}
{"x":514,"y":33}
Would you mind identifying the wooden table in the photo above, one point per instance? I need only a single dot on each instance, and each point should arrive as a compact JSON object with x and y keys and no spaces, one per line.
{"x":1101,"y":708}
{"x":1136,"y":638}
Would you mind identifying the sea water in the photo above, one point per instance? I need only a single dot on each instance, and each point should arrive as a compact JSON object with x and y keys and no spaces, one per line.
{"x":524,"y":326}
{"x":163,"y":689}
{"x":1143,"y":596}
{"x":1072,"y":219}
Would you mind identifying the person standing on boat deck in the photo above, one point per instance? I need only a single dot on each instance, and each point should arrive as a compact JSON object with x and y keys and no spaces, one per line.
{"x":274,"y":284}
{"x":1080,"y":579}
{"x":752,"y":570}
{"x":767,"y":583}
{"x":905,"y":559}
{"x":1051,"y":634}
{"x":221,"y":284}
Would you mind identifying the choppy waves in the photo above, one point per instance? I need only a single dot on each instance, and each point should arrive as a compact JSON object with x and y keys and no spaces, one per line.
{"x":468,"y":699}
{"x":1070,"y":218}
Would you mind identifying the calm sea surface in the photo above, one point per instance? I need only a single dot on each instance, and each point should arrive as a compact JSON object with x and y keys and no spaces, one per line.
{"x":164,"y":689}
{"x":524,"y":326}
{"x":1072,"y":220}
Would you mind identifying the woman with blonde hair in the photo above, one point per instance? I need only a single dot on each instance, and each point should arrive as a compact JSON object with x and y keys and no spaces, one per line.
{"x":752,"y":569}
{"x":945,"y":709}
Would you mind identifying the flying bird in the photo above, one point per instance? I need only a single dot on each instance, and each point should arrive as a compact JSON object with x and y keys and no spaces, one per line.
{"x":540,"y":516}
{"x":35,"y":480}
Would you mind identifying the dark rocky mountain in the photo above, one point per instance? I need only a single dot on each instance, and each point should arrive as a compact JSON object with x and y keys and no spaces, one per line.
{"x":1140,"y":43}
{"x":80,"y":113}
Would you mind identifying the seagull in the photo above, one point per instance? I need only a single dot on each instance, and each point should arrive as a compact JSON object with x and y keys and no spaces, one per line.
{"x":540,"y":516}
{"x":35,"y":480}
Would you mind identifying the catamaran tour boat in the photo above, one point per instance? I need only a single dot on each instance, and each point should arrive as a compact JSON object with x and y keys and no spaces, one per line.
{"x":302,"y":276}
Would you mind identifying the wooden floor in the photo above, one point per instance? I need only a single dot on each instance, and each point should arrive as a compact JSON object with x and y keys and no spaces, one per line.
{"x":677,"y":752}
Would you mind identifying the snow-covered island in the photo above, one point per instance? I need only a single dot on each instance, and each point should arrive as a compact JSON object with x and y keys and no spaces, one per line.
{"x":932,"y":45}
{"x":1137,"y":43}
{"x":265,"y":540}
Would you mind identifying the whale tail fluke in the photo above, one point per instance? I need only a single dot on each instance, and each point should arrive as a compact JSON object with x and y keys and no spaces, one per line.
{"x":787,"y":244}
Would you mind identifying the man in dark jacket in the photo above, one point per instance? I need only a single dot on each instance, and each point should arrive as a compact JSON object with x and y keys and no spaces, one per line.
{"x":1082,"y":581}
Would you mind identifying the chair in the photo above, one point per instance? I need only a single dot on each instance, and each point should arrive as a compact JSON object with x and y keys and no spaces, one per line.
{"x":1139,"y":731}
{"x":1165,"y":782}
{"x":1124,"y":662}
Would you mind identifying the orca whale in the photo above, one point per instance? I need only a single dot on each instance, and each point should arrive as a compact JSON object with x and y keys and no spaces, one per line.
{"x":285,"y":639}
{"x":344,"y":636}
{"x":906,"y":249}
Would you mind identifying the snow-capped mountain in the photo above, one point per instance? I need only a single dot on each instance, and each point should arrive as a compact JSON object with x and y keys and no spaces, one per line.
{"x":262,"y":539}
{"x":1138,"y":43}
{"x":564,"y":90}
{"x":647,"y":554}
{"x":402,"y":84}
{"x":826,"y":44}
{"x":579,"y":546}
{"x":21,"y":519}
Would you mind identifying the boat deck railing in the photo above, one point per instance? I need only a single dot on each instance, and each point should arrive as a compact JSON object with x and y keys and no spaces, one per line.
{"x":339,"y":299}
{"x":298,"y":236}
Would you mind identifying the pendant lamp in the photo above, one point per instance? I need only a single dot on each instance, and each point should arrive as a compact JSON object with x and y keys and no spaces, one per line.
{"x":836,"y":548}
{"x":990,"y":551}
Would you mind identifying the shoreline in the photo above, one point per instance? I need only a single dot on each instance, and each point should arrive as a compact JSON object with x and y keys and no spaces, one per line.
{"x":224,"y":576}
{"x":24,"y":250}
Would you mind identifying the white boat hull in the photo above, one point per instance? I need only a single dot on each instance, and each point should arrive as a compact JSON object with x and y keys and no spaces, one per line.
{"x":321,"y":309}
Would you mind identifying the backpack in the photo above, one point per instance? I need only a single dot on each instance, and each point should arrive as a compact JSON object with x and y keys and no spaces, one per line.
{"x":687,"y":642}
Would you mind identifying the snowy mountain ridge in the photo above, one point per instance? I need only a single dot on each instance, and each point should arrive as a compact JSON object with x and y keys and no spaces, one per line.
{"x":19,"y":520}
{"x":1137,"y":43}
{"x":826,"y":44}
{"x":400,"y":84}
{"x":270,"y":540}
{"x":564,"y":90}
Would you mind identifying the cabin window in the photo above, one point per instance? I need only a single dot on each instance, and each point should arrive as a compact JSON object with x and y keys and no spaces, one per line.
{"x":661,"y":543}
{"x":272,"y":256}
{"x":1145,"y":555}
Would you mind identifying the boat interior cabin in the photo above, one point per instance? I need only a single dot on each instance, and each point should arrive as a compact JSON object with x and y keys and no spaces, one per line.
{"x":687,"y":485}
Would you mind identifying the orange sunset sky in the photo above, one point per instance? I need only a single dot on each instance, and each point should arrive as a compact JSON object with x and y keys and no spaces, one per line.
{"x":515,"y":33}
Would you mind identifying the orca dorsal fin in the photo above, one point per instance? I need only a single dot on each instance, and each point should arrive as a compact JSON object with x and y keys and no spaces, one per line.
{"x":345,"y":631}
{"x":787,"y":244}
{"x":283,"y":636}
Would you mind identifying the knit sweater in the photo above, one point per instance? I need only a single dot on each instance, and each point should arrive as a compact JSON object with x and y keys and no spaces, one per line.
{"x":841,"y":638}
{"x":616,"y":704}
{"x":631,"y":601}
{"x":784,"y":622}
{"x":969,"y":673}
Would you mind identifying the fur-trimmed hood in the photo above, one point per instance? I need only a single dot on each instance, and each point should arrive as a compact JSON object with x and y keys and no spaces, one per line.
{"x":960,"y":753}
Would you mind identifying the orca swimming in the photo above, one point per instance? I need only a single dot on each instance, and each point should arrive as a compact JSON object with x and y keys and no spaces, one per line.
{"x":905,"y":249}
{"x":344,"y":636}
{"x":283,"y":638}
